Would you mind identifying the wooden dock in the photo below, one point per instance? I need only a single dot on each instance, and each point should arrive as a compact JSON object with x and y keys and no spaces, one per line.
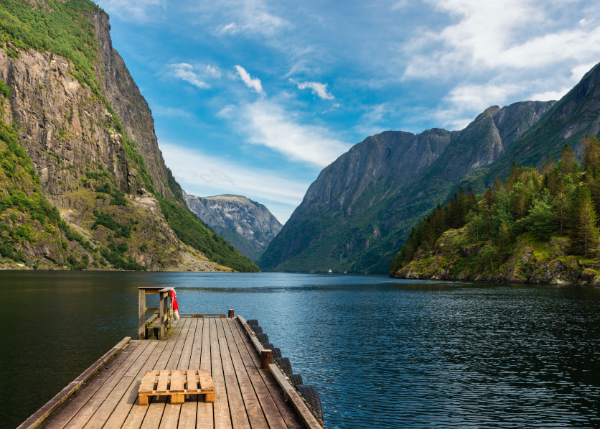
{"x":247,"y":396}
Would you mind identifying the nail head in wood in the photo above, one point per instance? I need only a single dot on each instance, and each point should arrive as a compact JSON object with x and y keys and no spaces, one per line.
{"x":231,"y":313}
{"x":266,"y":359}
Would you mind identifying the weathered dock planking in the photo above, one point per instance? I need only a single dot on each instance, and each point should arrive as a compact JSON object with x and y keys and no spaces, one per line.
{"x":247,"y":396}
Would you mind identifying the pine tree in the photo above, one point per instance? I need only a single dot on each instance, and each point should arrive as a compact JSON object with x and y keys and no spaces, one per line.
{"x":567,"y":161}
{"x":587,"y":232}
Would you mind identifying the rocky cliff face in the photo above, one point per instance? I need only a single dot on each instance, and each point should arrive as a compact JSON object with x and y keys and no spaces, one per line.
{"x":249,"y":226}
{"x":357,"y":212}
{"x":124,"y":96}
{"x":90,"y":136}
{"x":567,"y":122}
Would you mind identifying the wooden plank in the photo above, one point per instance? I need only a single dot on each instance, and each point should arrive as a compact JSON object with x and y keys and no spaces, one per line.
{"x":191,"y":382}
{"x":187,"y":415}
{"x":221,"y":405}
{"x":251,"y":359}
{"x":148,"y":382}
{"x":239,"y":416}
{"x":205,"y":411}
{"x":239,"y":389}
{"x":197,"y":347}
{"x":271,"y":412}
{"x":177,"y":386}
{"x":206,"y":382}
{"x":186,"y":353}
{"x":163,"y":381}
{"x":205,"y":360}
{"x":42,"y":414}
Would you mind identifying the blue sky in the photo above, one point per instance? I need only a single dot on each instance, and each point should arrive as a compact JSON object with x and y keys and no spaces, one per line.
{"x":256,"y":97}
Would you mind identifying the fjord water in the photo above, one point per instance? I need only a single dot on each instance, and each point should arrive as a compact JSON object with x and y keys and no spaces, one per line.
{"x":382,"y":352}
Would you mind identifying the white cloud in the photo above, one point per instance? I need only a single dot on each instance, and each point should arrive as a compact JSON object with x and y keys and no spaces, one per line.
{"x":185,"y":71}
{"x":210,"y":175}
{"x":516,"y":34}
{"x":231,"y":28}
{"x":249,"y":81}
{"x":269,"y":124}
{"x":316,"y":88}
{"x":249,"y":16}
{"x":195,"y":74}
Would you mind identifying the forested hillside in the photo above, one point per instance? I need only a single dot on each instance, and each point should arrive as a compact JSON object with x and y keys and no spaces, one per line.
{"x":539,"y":226}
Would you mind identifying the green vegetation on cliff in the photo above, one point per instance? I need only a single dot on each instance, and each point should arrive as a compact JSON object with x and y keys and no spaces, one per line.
{"x":67,"y":30}
{"x":552,"y":213}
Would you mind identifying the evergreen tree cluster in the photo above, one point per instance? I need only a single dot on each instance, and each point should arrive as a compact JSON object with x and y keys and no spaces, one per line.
{"x":561,"y":199}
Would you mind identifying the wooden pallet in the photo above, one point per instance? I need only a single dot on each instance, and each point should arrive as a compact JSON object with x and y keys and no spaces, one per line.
{"x":176,"y":384}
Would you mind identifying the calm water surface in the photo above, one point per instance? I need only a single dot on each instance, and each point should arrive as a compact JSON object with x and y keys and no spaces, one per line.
{"x":382,"y":353}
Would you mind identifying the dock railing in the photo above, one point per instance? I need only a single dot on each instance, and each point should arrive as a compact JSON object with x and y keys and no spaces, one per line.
{"x":161,"y":317}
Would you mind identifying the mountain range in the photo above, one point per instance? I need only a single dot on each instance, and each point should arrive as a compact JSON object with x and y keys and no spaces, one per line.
{"x":361,"y":208}
{"x":249,"y":226}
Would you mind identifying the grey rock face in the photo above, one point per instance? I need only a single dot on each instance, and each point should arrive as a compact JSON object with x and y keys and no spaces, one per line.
{"x":125,"y":97}
{"x":249,"y":226}
{"x":357,"y":202}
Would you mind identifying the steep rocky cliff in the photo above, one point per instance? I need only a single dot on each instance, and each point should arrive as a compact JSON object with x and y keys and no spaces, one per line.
{"x":358,"y":212}
{"x":249,"y":226}
{"x":569,"y":120}
{"x":90,"y":137}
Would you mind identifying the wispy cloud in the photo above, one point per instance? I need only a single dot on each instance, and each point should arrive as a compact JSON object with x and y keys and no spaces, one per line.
{"x":248,"y":16}
{"x":319,"y":89}
{"x":185,"y":71}
{"x":250,"y":82}
{"x":269,"y":124}
{"x":196,"y":74}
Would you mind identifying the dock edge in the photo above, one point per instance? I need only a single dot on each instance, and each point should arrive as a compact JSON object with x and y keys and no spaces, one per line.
{"x":299,"y":404}
{"x":52,"y":405}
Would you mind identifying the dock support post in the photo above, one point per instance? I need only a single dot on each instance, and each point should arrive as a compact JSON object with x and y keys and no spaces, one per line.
{"x":161,"y":316}
{"x":266,"y":359}
{"x":230,"y":314}
{"x":141,"y":314}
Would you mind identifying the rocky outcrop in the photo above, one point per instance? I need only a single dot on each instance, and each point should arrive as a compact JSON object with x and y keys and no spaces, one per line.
{"x":249,"y":226}
{"x":125,"y":98}
{"x":93,"y":154}
{"x":455,"y":258}
{"x":357,"y":213}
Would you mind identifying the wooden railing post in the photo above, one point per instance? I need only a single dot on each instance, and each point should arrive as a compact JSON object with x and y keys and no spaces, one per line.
{"x":266,"y":359}
{"x":161,"y":315}
{"x":141,"y":314}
